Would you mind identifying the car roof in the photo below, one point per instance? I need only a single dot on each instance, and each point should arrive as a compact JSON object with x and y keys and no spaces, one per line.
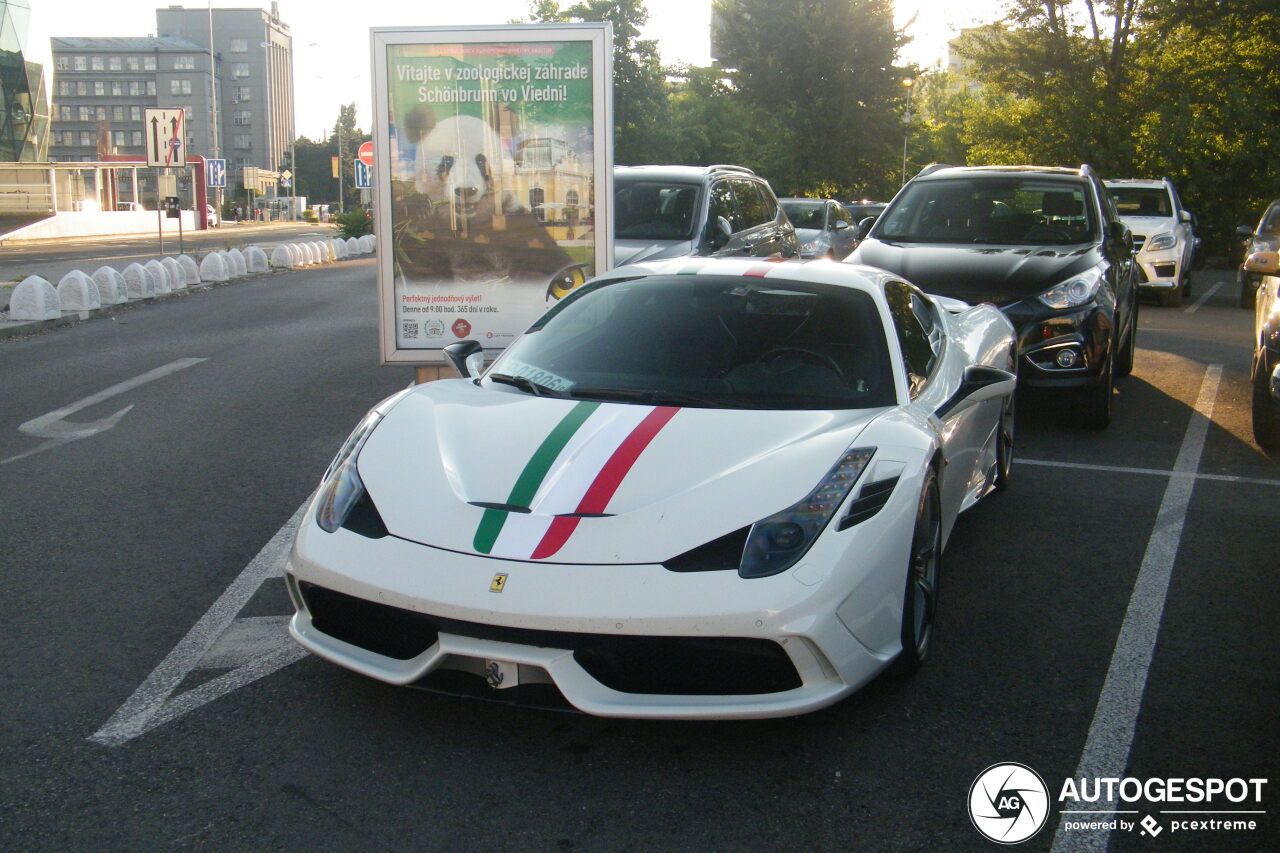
{"x":869,"y":279}
{"x":812,"y":200}
{"x":677,"y":173}
{"x":941,"y":172}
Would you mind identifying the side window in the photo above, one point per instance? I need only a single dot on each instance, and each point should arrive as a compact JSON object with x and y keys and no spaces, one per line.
{"x":750,"y":203}
{"x":722,"y":204}
{"x":919,"y":343}
{"x":838,"y":214}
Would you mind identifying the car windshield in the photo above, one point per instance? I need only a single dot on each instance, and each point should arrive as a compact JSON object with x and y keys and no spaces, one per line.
{"x":806,"y":214}
{"x":1011,"y":210}
{"x":1142,"y":201}
{"x":654,"y":210}
{"x":707,"y":342}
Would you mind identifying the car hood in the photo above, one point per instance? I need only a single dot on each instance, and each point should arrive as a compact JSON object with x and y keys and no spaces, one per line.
{"x":1146,"y":226}
{"x":496,"y":472}
{"x":998,"y":274}
{"x":635,"y":251}
{"x":808,"y":235}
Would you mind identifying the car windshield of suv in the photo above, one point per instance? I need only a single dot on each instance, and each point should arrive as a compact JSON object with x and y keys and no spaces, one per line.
{"x":707,"y":342}
{"x":1142,"y":201}
{"x":654,"y":210}
{"x":806,"y":214}
{"x":1010,"y":210}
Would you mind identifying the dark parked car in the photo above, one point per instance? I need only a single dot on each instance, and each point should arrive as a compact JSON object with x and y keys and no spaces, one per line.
{"x":671,"y":211}
{"x":1264,"y":238}
{"x":1265,"y":265}
{"x":860,"y":210}
{"x":823,"y":227}
{"x":1046,"y":245}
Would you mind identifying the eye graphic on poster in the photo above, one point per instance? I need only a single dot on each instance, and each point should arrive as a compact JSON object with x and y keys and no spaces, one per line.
{"x":496,"y":152}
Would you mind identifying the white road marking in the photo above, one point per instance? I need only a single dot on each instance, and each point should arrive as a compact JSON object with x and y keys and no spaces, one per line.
{"x":1157,"y":472}
{"x":56,"y":431}
{"x":1203,"y":299}
{"x":217,"y":640}
{"x":1106,"y":750}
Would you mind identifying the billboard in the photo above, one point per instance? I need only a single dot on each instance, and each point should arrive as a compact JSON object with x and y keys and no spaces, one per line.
{"x":493,"y":167}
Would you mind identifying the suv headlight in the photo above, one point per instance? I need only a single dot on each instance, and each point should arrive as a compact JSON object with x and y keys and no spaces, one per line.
{"x":1074,"y":292}
{"x":776,"y":543}
{"x":341,"y":487}
{"x":1161,"y":241}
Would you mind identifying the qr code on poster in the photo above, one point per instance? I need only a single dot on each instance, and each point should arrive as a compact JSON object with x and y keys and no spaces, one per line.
{"x":409,"y":329}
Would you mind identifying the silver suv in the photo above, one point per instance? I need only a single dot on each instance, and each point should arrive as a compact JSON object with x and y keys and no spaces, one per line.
{"x":1163,"y":241}
{"x":673,"y":211}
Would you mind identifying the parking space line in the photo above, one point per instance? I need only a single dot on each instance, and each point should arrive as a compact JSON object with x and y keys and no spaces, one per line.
{"x":1203,"y":299}
{"x":1157,"y":472}
{"x":1106,"y":749}
{"x":151,"y":705}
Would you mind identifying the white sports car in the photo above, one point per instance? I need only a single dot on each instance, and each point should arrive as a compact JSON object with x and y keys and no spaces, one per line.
{"x":694,"y":488}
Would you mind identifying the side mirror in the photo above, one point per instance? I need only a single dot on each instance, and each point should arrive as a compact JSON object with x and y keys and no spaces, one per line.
{"x":1244,"y":232}
{"x":1267,"y":263}
{"x":980,"y":383}
{"x":1275,"y":383}
{"x":467,"y":357}
{"x":1120,"y":235}
{"x":841,"y":225}
{"x":864,"y":227}
{"x":1185,"y":216}
{"x":721,"y":232}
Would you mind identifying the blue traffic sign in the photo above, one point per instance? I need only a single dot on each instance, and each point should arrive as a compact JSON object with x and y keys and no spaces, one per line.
{"x":364,"y":176}
{"x":215,"y":174}
{"x":286,"y":182}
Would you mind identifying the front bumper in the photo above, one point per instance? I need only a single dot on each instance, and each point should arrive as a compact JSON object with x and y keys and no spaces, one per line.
{"x":404,"y":613}
{"x":1161,"y":270}
{"x":1086,"y":333}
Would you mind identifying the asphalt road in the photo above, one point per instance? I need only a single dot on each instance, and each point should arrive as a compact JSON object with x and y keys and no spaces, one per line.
{"x":149,"y":703}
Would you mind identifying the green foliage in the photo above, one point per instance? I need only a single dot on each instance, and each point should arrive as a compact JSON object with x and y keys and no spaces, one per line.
{"x":354,"y":223}
{"x":820,"y":90}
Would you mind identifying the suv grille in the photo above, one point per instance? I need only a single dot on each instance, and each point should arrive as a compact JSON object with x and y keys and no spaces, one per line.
{"x":674,"y":666}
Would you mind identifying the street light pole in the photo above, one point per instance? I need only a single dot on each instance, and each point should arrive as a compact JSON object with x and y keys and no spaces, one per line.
{"x":213,"y":98}
{"x":906,"y":130}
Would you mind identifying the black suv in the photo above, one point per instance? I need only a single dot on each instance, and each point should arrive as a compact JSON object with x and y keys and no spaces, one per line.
{"x":673,"y":211}
{"x":1044,"y":244}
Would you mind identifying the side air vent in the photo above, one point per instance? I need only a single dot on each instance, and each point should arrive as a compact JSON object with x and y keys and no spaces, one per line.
{"x":364,"y":519}
{"x":870,"y":500}
{"x":723,"y":554}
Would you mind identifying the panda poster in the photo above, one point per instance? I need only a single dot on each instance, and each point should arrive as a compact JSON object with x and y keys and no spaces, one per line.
{"x":493,"y":169}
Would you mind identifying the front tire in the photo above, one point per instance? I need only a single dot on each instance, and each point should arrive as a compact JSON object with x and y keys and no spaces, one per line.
{"x":1124,"y":360}
{"x":1266,"y":409}
{"x":1093,"y":408}
{"x":919,"y":601}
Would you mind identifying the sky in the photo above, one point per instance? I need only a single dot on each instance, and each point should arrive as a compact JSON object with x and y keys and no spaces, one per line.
{"x":331,"y":42}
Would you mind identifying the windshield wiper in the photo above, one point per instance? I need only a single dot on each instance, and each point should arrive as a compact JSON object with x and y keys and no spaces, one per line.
{"x":526,"y":384}
{"x":660,"y":398}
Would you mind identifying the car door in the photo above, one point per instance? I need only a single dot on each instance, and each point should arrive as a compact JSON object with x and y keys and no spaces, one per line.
{"x":843,"y":236}
{"x":758,"y":237}
{"x":1121,"y":270}
{"x":723,"y":233}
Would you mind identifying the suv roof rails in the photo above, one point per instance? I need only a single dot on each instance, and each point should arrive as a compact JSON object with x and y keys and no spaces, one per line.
{"x":725,"y":167}
{"x":933,"y":167}
{"x":1086,"y":171}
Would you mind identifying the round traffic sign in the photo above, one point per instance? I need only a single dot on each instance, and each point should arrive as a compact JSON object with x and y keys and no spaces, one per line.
{"x":365,"y":153}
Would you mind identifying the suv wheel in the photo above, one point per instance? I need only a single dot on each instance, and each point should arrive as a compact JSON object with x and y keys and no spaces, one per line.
{"x":1093,"y":407}
{"x":1266,"y":409}
{"x":1124,"y":359}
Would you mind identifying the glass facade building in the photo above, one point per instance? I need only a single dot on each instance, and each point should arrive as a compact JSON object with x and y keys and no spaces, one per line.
{"x":24,"y":93}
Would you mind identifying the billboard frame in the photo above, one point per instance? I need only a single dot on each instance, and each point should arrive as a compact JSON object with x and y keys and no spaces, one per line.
{"x":382,"y":39}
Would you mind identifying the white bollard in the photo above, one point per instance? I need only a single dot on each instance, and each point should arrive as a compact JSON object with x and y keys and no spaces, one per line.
{"x":177,"y":275}
{"x":213,"y":267}
{"x":281,"y":257}
{"x":190,"y":269}
{"x":110,"y":286}
{"x":255,"y":259}
{"x":77,"y":292}
{"x":34,"y":299}
{"x":137,"y":283}
{"x":353,"y":246}
{"x":159,"y":274}
{"x":238,"y":263}
{"x":339,"y":249}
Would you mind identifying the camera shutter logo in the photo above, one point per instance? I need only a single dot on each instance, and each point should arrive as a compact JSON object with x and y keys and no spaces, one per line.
{"x":1008,"y":803}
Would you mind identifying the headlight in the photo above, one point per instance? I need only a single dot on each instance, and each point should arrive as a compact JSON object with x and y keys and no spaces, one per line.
{"x":341,"y":487}
{"x":1161,"y":241}
{"x":1073,"y":292}
{"x":776,"y":543}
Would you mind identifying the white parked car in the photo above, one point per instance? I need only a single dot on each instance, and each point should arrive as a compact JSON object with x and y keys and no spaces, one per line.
{"x":695,"y":488}
{"x":212,"y":214}
{"x":1163,"y":241}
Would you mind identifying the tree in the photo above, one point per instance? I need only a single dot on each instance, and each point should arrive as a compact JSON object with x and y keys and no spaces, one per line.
{"x":823,"y":95}
{"x":639,"y":82}
{"x":344,"y":140}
